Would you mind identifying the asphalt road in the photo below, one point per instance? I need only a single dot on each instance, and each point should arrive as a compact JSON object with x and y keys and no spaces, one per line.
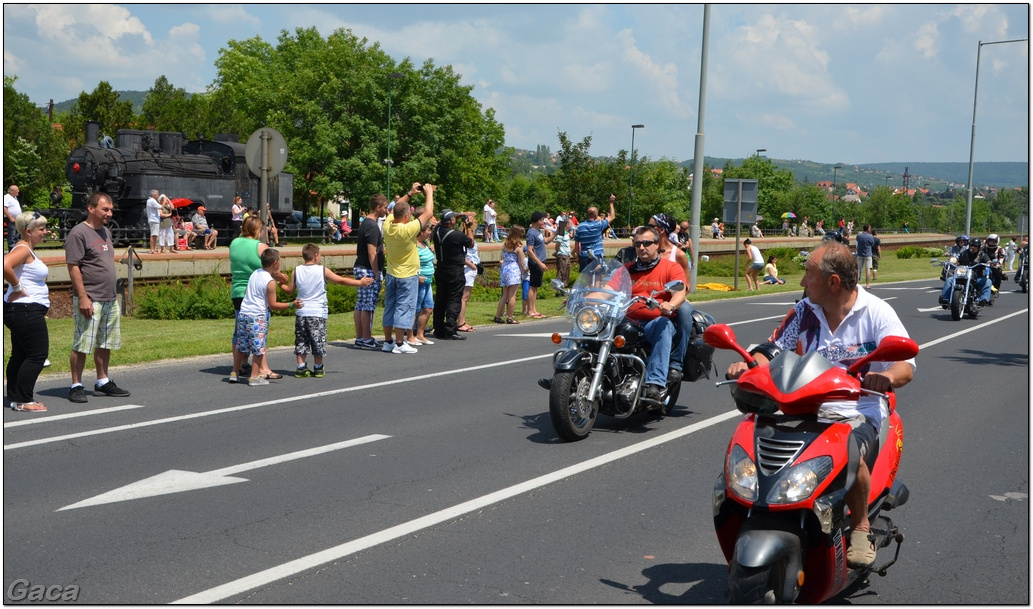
{"x":436,"y":478}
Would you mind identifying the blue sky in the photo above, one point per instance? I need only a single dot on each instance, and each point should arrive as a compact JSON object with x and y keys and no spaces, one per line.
{"x":829,"y":83}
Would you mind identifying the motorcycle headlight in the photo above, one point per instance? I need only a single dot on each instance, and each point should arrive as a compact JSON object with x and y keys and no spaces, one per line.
{"x":798,"y":482}
{"x":962,"y":272}
{"x":589,"y":320}
{"x":742,"y":474}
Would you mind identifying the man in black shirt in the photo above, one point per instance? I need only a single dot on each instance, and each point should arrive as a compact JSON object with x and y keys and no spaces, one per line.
{"x":972,"y":256}
{"x":450,"y":247}
{"x":369,"y":262}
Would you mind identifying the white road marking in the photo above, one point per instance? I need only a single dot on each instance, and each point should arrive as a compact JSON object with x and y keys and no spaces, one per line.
{"x":777,"y":304}
{"x":930,"y":309}
{"x":73,"y":415}
{"x":219,"y":593}
{"x":299,"y":398}
{"x":972,"y":329}
{"x":177,"y":481}
{"x":750,"y":321}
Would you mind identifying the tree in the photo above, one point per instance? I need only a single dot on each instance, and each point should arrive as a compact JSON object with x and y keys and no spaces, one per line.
{"x":101,"y":105}
{"x":573,"y":183}
{"x":34,"y":152}
{"x":165,"y":108}
{"x":329,"y":99}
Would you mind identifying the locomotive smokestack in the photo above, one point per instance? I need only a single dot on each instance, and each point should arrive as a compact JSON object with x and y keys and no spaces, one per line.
{"x":92,"y":133}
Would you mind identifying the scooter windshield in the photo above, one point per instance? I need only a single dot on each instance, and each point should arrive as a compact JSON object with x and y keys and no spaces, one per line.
{"x":604,"y":284}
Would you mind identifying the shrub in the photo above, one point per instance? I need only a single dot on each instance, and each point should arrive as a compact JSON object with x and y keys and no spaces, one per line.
{"x":207,"y":297}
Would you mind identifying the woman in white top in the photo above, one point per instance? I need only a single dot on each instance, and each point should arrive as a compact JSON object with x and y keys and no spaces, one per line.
{"x":26,"y":303}
{"x":756,"y":265}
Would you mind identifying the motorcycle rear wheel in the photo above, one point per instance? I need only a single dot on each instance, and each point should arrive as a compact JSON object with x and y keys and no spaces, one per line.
{"x":956,"y":309}
{"x":572,"y":415}
{"x":756,"y":585}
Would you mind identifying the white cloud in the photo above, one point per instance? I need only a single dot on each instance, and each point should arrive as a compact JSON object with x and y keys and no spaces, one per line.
{"x":860,"y":16}
{"x":781,"y":57}
{"x":233,"y":14}
{"x":927,"y":40}
{"x":662,"y":78}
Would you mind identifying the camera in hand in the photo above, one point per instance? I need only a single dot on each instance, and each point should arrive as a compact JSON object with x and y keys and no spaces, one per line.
{"x":420,"y":188}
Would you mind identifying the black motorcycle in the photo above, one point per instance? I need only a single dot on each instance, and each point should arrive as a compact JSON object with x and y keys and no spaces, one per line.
{"x":964,"y":298}
{"x":602,"y":367}
{"x":1022,"y":274}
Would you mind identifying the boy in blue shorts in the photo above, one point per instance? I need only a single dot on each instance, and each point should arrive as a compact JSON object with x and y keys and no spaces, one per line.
{"x":252,"y":319}
{"x":309,"y":281}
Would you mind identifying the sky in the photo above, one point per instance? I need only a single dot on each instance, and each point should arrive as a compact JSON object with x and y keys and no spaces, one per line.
{"x":828,"y":83}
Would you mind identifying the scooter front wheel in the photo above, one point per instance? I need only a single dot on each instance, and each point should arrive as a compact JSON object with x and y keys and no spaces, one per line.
{"x":573,"y":416}
{"x":756,"y":585}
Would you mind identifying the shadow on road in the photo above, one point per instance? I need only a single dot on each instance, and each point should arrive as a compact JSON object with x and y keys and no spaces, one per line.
{"x":989,"y":358}
{"x":680,"y":584}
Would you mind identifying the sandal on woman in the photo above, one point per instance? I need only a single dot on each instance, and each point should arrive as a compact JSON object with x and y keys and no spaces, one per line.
{"x":272,"y":376}
{"x":510,"y":320}
{"x":465,"y":328}
{"x":538,"y":316}
{"x":29,"y":407}
{"x":498,"y":320}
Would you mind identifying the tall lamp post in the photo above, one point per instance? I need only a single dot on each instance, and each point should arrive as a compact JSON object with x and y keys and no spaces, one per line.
{"x":631,"y":170}
{"x":835,"y":168}
{"x":393,"y":76}
{"x":972,"y":148}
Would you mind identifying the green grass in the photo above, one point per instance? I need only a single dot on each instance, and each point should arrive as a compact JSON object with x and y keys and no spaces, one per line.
{"x":147,"y":340}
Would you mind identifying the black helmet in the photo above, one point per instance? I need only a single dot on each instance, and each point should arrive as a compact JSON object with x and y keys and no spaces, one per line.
{"x":834,"y":235}
{"x":975,"y":242}
{"x":958,"y":239}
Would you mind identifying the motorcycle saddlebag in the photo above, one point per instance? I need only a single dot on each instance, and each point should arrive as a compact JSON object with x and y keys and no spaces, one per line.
{"x":699,"y":356}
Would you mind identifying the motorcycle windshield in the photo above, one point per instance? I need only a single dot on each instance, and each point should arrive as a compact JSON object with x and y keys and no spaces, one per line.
{"x":604,"y":284}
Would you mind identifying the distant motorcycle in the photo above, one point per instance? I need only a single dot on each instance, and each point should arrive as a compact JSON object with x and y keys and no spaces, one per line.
{"x":602,"y":367}
{"x":964,"y":299}
{"x":1022,"y":274}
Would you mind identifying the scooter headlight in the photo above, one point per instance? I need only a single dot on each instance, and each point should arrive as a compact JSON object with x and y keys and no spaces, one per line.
{"x":799,"y":482}
{"x":742,"y":474}
{"x":589,"y":320}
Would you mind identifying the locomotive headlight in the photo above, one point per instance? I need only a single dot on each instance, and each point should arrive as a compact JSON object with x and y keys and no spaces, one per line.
{"x":798,"y":482}
{"x":589,"y":320}
{"x":742,"y":474}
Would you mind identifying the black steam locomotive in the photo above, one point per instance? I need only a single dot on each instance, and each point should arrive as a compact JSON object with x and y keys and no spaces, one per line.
{"x":209,"y":173}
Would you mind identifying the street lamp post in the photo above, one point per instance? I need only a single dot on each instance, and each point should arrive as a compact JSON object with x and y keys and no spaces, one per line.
{"x":631,"y":170}
{"x":972,"y":148}
{"x":393,"y":76}
{"x":835,"y":168}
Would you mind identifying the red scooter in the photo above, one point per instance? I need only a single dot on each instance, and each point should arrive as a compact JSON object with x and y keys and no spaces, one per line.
{"x":780,"y":505}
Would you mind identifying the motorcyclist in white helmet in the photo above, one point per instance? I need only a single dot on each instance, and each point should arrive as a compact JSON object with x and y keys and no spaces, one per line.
{"x":997,"y":255}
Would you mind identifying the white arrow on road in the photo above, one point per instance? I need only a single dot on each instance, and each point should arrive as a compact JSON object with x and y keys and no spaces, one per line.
{"x":177,"y":481}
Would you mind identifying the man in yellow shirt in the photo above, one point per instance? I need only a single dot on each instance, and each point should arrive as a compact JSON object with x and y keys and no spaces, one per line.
{"x":403,"y":267}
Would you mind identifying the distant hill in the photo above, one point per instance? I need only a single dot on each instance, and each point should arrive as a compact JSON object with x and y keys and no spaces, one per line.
{"x":136,"y":97}
{"x":940,"y":177}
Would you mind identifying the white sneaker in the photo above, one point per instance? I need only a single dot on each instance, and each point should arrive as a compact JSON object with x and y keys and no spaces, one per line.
{"x":46,"y":364}
{"x":233,"y":377}
{"x":404,"y":348}
{"x":256,"y":381}
{"x":389,"y":346}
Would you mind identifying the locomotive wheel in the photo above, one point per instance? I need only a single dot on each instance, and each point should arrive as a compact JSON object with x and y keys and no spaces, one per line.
{"x":572,"y":414}
{"x":756,"y":586}
{"x":956,"y":305}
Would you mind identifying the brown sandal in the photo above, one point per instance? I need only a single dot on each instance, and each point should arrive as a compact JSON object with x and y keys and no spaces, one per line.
{"x":510,"y":320}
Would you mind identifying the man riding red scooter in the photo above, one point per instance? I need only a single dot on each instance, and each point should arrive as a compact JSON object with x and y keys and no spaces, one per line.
{"x":843,"y":322}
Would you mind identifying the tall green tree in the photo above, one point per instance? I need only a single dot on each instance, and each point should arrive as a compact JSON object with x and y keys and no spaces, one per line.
{"x":102,"y":105}
{"x":34,"y":152}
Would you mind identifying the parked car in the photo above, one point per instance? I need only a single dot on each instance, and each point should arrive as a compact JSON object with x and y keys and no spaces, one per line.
{"x":478,"y":233}
{"x":292,"y":226}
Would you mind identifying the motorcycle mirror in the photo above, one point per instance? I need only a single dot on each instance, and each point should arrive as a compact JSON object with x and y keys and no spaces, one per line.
{"x":891,"y":349}
{"x":674,"y":286}
{"x":721,"y":336}
{"x":557,"y":285}
{"x":591,"y":255}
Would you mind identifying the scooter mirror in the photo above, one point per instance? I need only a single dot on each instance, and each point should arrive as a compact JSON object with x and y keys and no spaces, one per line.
{"x":891,"y":349}
{"x":720,"y":336}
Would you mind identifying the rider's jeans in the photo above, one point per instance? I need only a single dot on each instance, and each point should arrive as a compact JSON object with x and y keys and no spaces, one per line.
{"x":982,"y":284}
{"x":682,"y":332}
{"x":660,"y":334}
